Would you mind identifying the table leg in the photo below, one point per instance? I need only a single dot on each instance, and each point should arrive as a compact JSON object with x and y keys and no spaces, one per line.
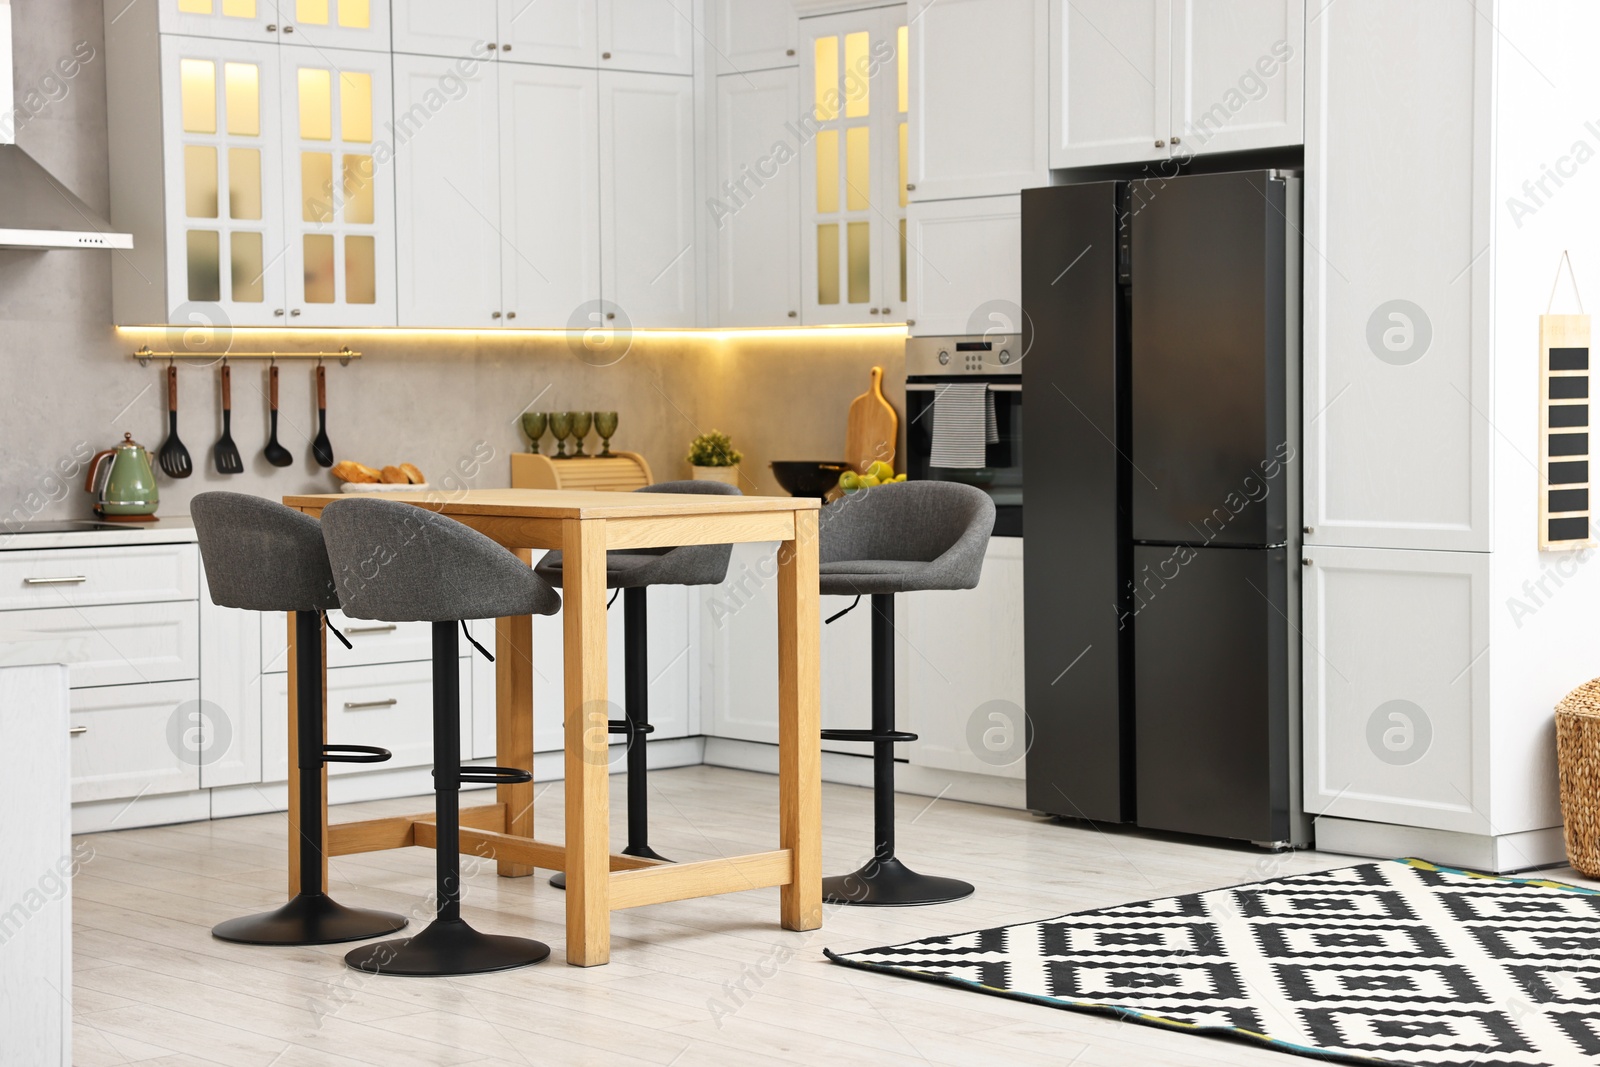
{"x":800,"y":723}
{"x":294,"y":812}
{"x":588,"y":843}
{"x":513,"y":688}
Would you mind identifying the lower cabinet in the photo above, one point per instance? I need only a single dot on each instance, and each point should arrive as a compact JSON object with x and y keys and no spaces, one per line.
{"x":1396,"y":686}
{"x":966,"y":277}
{"x":136,"y":740}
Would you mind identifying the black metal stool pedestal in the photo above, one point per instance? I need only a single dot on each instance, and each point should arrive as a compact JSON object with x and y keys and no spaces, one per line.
{"x":448,"y":945}
{"x":262,"y":556}
{"x":884,"y":881}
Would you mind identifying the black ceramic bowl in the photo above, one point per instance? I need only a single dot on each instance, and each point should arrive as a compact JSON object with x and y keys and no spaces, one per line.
{"x":805,"y":477}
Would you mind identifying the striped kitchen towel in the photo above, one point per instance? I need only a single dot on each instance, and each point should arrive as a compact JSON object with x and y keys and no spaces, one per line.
{"x":963,"y":423}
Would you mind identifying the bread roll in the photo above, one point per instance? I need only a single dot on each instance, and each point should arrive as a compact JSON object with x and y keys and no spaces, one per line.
{"x":394,"y":476}
{"x":413,"y":475}
{"x":350,"y":471}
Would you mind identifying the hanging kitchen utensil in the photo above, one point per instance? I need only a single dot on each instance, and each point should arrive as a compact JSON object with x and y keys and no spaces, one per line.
{"x":225,"y":453}
{"x":174,"y":458}
{"x":321,"y":447}
{"x":274,"y":453}
{"x":872,"y":428}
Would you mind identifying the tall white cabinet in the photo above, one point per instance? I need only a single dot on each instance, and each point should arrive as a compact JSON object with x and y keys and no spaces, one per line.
{"x":756,"y":206}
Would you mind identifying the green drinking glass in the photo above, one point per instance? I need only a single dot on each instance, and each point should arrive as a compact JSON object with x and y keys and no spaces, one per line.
{"x":605,"y":424}
{"x":533,"y":424}
{"x":560,"y":427}
{"x":581,"y":421}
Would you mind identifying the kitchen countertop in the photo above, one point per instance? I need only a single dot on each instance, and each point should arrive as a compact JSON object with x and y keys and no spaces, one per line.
{"x":177,"y":529}
{"x":27,"y":648}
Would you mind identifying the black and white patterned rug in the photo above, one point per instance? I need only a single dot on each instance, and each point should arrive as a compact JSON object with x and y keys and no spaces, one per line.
{"x":1399,"y":962}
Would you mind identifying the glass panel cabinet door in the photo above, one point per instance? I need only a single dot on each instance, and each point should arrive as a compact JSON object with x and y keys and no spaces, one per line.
{"x":853,"y":129}
{"x":362,"y":24}
{"x":225,"y":235}
{"x":237,"y":20}
{"x":339,"y":182}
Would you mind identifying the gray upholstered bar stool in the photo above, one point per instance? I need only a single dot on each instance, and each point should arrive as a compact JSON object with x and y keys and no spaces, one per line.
{"x":634,"y":571}
{"x":262,"y":556}
{"x":889,"y":539}
{"x":398,"y":562}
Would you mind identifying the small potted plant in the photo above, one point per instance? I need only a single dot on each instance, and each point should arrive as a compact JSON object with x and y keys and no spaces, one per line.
{"x":713,"y":458}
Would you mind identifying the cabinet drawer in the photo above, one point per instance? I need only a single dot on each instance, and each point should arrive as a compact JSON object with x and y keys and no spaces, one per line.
{"x":374,"y":642}
{"x":381,"y":704}
{"x":123,"y":745}
{"x":74,"y":577}
{"x":128,"y":643}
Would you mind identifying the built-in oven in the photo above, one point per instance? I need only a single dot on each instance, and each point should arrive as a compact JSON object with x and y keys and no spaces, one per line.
{"x":933,"y":365}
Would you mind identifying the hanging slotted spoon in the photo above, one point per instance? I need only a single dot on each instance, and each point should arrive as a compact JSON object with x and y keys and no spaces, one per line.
{"x":275,"y":453}
{"x":173,"y":457}
{"x":225,"y":453}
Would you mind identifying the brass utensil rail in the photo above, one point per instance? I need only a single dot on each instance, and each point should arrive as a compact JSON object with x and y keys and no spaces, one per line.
{"x":145,"y":354}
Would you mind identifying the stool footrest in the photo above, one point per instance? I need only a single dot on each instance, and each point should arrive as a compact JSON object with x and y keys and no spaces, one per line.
{"x":867,"y":735}
{"x":623,"y":726}
{"x":355,"y":754}
{"x":494,"y":775}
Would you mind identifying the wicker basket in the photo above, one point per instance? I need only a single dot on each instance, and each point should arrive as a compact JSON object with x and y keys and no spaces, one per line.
{"x":1578,"y":753}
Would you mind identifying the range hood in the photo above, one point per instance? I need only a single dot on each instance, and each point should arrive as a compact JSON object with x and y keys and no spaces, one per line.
{"x":36,"y":211}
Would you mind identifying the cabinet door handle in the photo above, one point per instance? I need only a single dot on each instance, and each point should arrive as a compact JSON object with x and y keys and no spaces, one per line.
{"x":511,"y":314}
{"x":272,"y":27}
{"x":78,"y":731}
{"x":1161,"y":144}
{"x":278,"y":312}
{"x":1174,"y":138}
{"x":505,"y":48}
{"x":788,"y":51}
{"x":66,"y":579}
{"x":605,"y":55}
{"x":381,"y":628}
{"x":611,"y":314}
{"x":288,"y":29}
{"x":872,"y":311}
{"x":913,"y":322}
{"x":362,"y":705}
{"x":294,"y":313}
{"x":911,"y":187}
{"x":494,"y":314}
{"x":492,"y":46}
{"x":794,"y":314}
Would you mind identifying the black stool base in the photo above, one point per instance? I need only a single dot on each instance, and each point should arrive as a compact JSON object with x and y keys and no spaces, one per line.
{"x":309,"y":919}
{"x":644,"y":852}
{"x":891,"y":884}
{"x":447,"y":947}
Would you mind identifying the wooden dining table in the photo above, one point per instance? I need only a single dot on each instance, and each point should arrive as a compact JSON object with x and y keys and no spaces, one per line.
{"x":585,"y":525}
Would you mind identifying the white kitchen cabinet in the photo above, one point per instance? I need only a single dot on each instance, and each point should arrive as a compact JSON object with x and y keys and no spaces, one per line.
{"x":359,"y":24}
{"x":647,"y":35}
{"x":966,"y":277}
{"x":1396,"y":687}
{"x":1144,"y":81}
{"x":853,"y":170}
{"x":1238,"y":80}
{"x":963,"y":670}
{"x":562,"y":32}
{"x":127,"y":643}
{"x":459,"y":29}
{"x":448,"y":215}
{"x":1110,"y":81}
{"x":1397,"y":348}
{"x":340,"y":218}
{"x":754,"y":35}
{"x":549,"y":178}
{"x":229,"y":750}
{"x":647,"y":198}
{"x":980,"y":93}
{"x":239,"y":20}
{"x":757,"y":199}
{"x":129,"y":742}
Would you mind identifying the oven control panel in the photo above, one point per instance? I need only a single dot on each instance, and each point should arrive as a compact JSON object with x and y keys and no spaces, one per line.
{"x":986,"y":356}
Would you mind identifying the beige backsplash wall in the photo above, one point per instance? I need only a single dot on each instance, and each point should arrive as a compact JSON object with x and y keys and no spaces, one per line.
{"x":427,"y":399}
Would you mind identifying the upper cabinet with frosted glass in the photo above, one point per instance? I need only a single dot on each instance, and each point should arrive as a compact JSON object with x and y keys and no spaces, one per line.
{"x":254,"y":179}
{"x":362,"y":24}
{"x":853,"y":167}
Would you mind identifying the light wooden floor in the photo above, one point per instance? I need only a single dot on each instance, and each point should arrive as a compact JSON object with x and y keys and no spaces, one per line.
{"x":151,"y":986}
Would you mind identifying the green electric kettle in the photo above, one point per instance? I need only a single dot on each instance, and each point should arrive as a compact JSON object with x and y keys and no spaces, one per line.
{"x":127,"y":491}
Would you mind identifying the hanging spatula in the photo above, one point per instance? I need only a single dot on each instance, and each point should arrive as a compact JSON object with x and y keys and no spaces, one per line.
{"x":275,"y":453}
{"x":225,"y":453}
{"x":321,"y":447}
{"x":173,"y":457}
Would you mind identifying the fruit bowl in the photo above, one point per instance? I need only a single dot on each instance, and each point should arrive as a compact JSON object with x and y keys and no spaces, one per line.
{"x":807,"y":477}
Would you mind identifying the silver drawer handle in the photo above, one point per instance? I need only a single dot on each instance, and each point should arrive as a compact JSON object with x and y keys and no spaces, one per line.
{"x":70,"y":579}
{"x":362,"y":705}
{"x":386,"y":628}
{"x":78,"y":731}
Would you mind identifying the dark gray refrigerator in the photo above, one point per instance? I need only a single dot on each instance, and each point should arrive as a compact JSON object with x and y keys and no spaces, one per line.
{"x":1162,"y":523}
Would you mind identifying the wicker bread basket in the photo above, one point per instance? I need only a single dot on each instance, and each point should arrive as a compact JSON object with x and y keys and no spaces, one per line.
{"x":1578,"y":754}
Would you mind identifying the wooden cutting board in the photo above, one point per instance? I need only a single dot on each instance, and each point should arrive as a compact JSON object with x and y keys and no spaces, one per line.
{"x":873,"y":426}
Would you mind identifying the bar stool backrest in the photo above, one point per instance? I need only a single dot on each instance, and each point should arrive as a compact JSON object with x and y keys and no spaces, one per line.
{"x":403,"y":563}
{"x":260,"y":555}
{"x":943,"y":524}
{"x":689,"y":564}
